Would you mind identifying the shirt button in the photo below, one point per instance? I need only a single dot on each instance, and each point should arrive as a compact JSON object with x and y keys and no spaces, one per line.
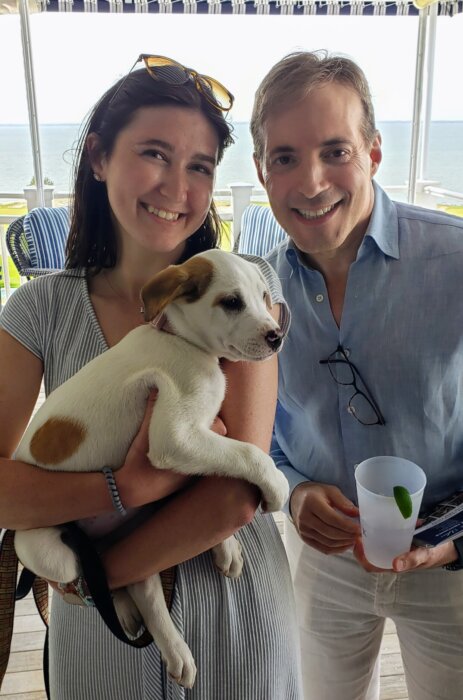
{"x":319,"y":298}
{"x":346,"y":352}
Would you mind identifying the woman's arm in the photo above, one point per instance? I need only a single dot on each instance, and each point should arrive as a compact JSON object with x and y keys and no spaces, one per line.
{"x":33,"y":497}
{"x":213,"y":508}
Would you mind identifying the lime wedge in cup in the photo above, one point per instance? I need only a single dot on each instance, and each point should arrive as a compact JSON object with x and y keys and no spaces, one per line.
{"x":403,"y":500}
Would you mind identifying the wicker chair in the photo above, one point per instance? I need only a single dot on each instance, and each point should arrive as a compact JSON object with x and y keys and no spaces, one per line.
{"x":260,"y":231}
{"x":37,"y":240}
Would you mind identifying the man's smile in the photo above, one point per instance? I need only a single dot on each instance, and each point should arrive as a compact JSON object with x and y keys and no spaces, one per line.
{"x":315,"y":214}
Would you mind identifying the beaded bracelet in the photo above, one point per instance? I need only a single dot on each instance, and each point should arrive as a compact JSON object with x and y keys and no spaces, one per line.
{"x":113,"y":491}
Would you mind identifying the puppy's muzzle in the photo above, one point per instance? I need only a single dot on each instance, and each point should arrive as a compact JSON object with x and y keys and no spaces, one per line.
{"x":274,"y":339}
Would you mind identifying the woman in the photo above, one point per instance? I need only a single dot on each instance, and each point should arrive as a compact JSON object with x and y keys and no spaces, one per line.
{"x":143,"y":200}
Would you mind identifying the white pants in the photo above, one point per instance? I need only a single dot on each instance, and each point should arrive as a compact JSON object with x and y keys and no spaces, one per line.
{"x":342,"y":609}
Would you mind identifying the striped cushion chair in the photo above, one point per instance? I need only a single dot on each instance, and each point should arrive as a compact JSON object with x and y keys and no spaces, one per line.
{"x":260,"y":231}
{"x":37,"y":240}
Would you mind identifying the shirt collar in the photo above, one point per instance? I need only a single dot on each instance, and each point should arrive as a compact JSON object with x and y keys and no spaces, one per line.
{"x":293,"y":255}
{"x":383,"y":229}
{"x":384,"y":225}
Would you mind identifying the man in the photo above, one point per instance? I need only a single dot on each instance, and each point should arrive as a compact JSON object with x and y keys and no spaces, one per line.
{"x":376,"y":288}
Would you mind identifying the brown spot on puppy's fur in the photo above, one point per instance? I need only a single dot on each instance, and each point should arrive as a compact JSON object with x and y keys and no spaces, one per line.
{"x":56,"y":440}
{"x":189,"y":280}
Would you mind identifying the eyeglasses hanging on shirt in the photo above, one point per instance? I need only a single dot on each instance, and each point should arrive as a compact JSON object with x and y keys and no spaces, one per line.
{"x":361,"y":405}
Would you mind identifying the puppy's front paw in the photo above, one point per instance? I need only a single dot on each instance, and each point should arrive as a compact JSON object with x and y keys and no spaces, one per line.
{"x":180,"y":663}
{"x":276,"y":492}
{"x":127,"y":612}
{"x":228,"y":557}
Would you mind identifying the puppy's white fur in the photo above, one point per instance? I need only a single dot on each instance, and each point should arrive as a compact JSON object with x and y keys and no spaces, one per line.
{"x":217,"y":305}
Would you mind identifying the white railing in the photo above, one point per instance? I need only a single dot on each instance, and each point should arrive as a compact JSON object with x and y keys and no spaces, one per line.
{"x":236,"y":191}
{"x":439,"y":192}
{"x":232,"y":203}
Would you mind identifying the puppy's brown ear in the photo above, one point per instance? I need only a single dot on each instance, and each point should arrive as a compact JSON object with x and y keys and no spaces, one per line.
{"x":189,"y":280}
{"x":161,"y":290}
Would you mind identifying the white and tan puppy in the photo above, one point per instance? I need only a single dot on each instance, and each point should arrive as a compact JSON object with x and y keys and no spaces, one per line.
{"x":217,"y":305}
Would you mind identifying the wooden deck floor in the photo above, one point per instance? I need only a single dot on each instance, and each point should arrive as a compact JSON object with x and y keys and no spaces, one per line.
{"x":24,"y":679}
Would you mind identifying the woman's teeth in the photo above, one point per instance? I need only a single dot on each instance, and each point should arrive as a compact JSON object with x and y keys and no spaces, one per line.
{"x":162,"y":213}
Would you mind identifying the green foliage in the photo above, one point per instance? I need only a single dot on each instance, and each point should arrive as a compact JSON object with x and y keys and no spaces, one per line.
{"x":14,"y":275}
{"x":46,"y":181}
{"x":225,"y":236}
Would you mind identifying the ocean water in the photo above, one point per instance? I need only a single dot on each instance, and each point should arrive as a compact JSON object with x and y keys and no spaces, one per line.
{"x":445,"y":161}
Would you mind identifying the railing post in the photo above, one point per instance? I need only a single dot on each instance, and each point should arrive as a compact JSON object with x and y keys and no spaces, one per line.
{"x":422,"y":197}
{"x":5,"y":270}
{"x":417,"y":104}
{"x":32,"y":199}
{"x":241,"y":196}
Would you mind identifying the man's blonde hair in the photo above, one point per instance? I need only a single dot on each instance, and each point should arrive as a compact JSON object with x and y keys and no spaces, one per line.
{"x":291,"y":80}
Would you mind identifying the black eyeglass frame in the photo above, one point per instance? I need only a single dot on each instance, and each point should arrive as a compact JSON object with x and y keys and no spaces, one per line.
{"x":200,"y":81}
{"x":367,"y":396}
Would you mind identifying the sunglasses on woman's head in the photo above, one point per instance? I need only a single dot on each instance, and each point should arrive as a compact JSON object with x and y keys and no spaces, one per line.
{"x":169,"y":71}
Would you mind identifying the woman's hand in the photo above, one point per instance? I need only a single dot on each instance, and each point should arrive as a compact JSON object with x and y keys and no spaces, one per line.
{"x":138,"y":481}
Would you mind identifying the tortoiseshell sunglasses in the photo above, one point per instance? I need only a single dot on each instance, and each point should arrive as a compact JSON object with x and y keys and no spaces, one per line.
{"x":170,"y":71}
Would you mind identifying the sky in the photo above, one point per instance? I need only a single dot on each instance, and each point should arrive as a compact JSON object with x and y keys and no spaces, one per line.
{"x":78,"y":56}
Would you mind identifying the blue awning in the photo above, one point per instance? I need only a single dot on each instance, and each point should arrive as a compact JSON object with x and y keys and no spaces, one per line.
{"x":249,"y":7}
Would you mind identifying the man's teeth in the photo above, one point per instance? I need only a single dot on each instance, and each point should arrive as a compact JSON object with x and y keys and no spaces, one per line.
{"x":307,"y":214}
{"x":162,"y":213}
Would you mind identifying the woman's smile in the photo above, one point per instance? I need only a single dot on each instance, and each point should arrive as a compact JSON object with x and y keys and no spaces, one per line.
{"x":162,"y":213}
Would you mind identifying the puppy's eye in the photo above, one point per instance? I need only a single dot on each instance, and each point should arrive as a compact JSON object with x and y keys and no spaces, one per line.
{"x":232,"y":303}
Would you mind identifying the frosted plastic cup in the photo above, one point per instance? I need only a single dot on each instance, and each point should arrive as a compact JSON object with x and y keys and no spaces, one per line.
{"x":385,"y":532}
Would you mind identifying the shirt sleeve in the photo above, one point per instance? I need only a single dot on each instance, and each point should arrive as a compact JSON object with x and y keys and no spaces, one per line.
{"x":20,"y":318}
{"x":274,"y":286}
{"x":284,"y":465}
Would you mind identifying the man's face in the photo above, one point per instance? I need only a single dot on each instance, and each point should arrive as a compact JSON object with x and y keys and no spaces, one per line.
{"x":317,"y":170}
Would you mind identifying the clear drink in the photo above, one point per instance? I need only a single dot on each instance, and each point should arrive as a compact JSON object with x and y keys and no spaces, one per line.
{"x":385,"y":532}
{"x":381,"y":548}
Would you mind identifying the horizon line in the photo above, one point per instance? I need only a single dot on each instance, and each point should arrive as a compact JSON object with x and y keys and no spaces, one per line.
{"x":380,"y":121}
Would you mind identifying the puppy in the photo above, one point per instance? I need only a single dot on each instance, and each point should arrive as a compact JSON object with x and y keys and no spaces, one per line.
{"x":217,"y":305}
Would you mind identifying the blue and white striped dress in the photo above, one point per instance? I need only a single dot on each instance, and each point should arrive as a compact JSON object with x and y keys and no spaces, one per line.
{"x":242,"y":633}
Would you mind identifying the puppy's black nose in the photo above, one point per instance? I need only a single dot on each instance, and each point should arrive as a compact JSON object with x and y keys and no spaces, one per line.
{"x":274,"y":339}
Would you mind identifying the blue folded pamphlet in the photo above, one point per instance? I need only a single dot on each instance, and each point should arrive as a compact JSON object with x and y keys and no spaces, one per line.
{"x":443,"y":523}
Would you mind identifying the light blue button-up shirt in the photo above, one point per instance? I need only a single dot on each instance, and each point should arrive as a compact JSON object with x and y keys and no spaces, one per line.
{"x":402,"y":325}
